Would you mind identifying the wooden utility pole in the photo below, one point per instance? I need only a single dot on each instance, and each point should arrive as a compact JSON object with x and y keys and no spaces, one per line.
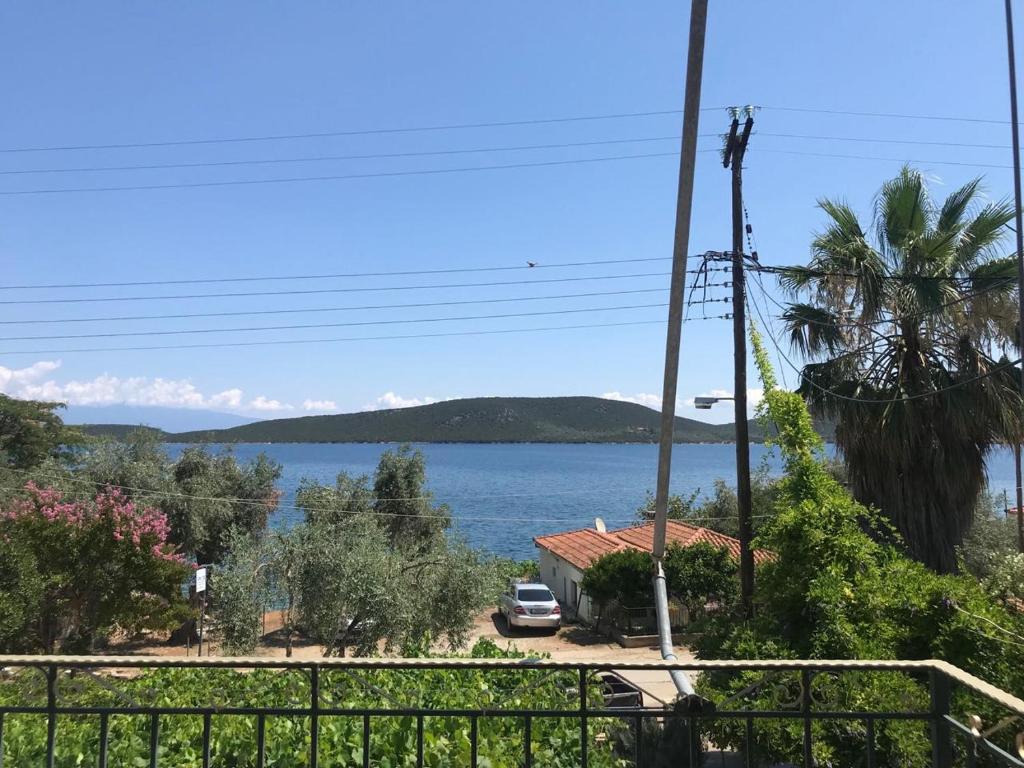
{"x":733,"y":158}
{"x":1015,"y":131}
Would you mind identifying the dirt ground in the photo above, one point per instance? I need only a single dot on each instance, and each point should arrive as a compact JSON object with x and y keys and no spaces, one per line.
{"x":570,"y":643}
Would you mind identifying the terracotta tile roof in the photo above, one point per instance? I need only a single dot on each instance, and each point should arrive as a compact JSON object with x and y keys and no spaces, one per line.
{"x":582,"y":547}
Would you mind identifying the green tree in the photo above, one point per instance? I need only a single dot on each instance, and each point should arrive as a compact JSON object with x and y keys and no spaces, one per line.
{"x":623,"y":576}
{"x":402,"y":500}
{"x":833,"y":591}
{"x":31,"y":432}
{"x":912,"y":318}
{"x":699,"y":574}
{"x":81,"y":569}
{"x":205,"y":495}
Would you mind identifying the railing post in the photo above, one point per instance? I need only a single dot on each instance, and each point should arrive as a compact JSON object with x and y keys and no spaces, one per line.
{"x":51,"y":713}
{"x":805,"y":709}
{"x":583,"y":717}
{"x":314,"y":716}
{"x":942,"y":744}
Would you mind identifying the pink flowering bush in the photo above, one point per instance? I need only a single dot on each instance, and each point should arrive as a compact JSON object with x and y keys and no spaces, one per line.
{"x":77,"y":570}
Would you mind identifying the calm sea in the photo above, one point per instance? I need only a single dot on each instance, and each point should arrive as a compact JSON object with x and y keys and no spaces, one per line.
{"x":503,"y":495}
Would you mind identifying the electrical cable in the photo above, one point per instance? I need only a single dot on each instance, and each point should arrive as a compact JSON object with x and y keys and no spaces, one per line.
{"x":338,"y":177}
{"x":885,"y":159}
{"x":333,"y":340}
{"x":313,"y":310}
{"x":333,"y":158}
{"x":303,"y":326}
{"x":338,"y":275}
{"x":312,"y":291}
{"x":901,"y":116}
{"x":360,"y":132}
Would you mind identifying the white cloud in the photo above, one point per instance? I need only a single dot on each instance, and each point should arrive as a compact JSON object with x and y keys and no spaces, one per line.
{"x":11,"y":378}
{"x":229,"y":398}
{"x":262,"y":403}
{"x":33,"y":383}
{"x":641,"y":398}
{"x":319,"y":405}
{"x":391,"y":400}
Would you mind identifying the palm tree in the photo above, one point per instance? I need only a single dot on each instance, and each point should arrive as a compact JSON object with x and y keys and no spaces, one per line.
{"x":906,"y":335}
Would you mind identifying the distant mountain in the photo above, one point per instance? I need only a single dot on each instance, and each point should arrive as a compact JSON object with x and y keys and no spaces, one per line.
{"x":479,"y":420}
{"x":167,"y":419}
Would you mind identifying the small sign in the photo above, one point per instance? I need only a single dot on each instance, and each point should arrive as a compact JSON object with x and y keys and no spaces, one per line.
{"x":200,"y":580}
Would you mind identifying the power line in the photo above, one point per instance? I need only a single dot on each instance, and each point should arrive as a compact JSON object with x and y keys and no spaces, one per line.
{"x":332,"y":158}
{"x":475,"y":150}
{"x":303,"y":326}
{"x":340,"y":339}
{"x":870,"y":140}
{"x":311,"y":291}
{"x":304,"y":310}
{"x":393,"y":273}
{"x":900,"y":116}
{"x":222,"y":345}
{"x":340,"y":177}
{"x":885,"y":159}
{"x":360,"y":132}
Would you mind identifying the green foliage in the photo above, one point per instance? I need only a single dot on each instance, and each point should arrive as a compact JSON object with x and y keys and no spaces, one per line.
{"x":31,"y":432}
{"x":695,"y":575}
{"x":992,"y":537}
{"x":720,"y":511}
{"x":699,"y":574}
{"x":240,"y":595}
{"x":365,"y":568}
{"x":75,"y":571}
{"x":555,"y":741}
{"x":835,"y":592}
{"x":205,"y":495}
{"x":934,"y":278}
{"x":623,"y":576}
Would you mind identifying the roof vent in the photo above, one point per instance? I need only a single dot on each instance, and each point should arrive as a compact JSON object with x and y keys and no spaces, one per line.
{"x":599,"y":524}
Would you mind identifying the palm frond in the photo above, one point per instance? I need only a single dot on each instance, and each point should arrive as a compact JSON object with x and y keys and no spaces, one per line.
{"x":983,"y":232}
{"x":902,"y":211}
{"x":813,"y":330}
{"x":953,"y":209}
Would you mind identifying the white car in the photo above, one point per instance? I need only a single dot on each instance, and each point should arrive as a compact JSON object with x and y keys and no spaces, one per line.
{"x":530,"y":605}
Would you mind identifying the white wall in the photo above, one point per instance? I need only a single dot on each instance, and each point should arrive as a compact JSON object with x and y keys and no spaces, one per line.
{"x":559,"y":575}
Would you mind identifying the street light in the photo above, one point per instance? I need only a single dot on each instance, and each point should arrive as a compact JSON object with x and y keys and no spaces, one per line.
{"x":705,"y":403}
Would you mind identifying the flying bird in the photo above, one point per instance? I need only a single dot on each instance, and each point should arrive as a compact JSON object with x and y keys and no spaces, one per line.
{"x":531,"y":263}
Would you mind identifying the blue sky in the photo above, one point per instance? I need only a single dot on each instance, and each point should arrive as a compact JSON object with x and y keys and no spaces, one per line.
{"x":110,"y":73}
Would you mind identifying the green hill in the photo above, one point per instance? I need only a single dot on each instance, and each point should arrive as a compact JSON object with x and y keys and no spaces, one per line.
{"x":478,"y":420}
{"x":118,"y":431}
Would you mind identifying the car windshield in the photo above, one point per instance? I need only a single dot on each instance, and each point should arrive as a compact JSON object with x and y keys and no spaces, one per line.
{"x":535,"y":595}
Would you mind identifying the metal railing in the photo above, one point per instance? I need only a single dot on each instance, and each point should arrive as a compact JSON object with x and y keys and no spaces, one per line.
{"x":90,"y":693}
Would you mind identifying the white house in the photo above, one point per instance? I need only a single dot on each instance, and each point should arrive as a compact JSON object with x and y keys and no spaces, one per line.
{"x":564,"y":556}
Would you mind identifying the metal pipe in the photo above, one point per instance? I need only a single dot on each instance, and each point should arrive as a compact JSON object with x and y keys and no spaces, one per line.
{"x":680,"y":251}
{"x":668,"y":653}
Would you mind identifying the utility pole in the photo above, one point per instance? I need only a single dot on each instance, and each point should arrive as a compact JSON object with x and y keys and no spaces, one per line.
{"x":1015,"y":130}
{"x":735,"y":149}
{"x":677,"y":290}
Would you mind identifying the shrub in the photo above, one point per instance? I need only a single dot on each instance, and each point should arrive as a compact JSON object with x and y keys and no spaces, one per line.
{"x":79,"y":569}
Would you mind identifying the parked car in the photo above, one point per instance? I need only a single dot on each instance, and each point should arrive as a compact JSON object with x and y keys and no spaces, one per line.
{"x":530,"y":605}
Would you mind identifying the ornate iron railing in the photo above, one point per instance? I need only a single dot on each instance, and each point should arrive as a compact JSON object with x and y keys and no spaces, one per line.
{"x":964,"y":720}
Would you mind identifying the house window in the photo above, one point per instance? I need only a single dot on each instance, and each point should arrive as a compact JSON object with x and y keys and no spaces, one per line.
{"x":554,"y":571}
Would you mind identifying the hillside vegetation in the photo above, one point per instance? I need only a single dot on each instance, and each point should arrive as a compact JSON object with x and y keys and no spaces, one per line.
{"x":472,"y":420}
